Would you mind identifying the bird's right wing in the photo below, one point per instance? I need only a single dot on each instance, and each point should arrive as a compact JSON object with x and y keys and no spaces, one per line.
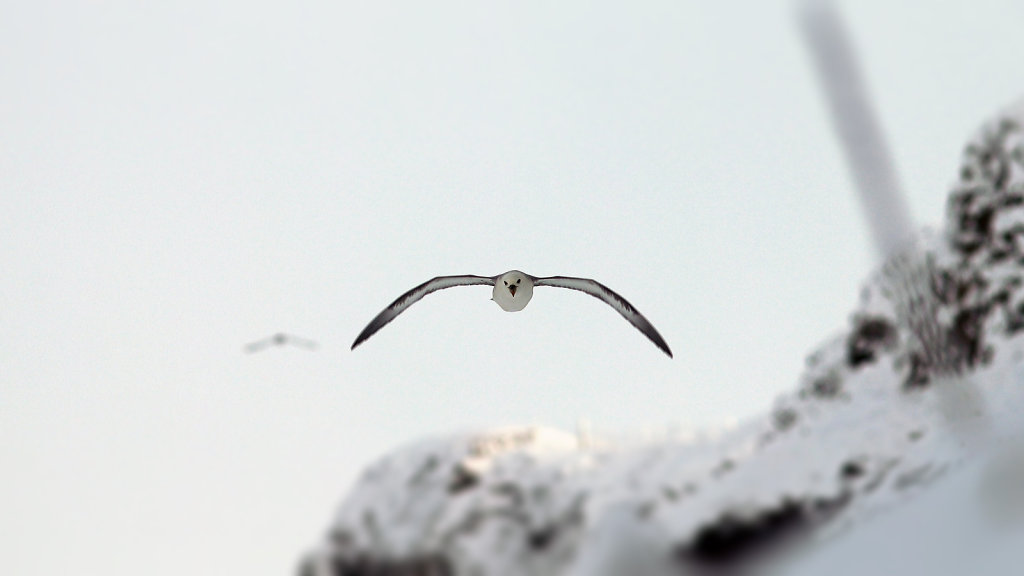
{"x":302,"y":342}
{"x":414,"y":295}
{"x":605,"y":294}
{"x":257,"y":346}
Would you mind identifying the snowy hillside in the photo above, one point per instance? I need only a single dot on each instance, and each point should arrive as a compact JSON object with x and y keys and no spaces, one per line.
{"x":928,"y":377}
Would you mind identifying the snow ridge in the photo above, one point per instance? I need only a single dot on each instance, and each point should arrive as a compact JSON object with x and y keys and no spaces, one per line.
{"x":928,"y":370}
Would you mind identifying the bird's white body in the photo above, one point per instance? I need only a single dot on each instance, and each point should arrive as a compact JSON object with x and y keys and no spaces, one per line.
{"x":512,"y":291}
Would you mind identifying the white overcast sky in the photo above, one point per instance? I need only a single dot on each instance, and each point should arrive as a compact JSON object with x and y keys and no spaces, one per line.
{"x":178,"y":180}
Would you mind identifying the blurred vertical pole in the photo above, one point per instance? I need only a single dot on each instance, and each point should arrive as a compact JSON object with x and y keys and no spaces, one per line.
{"x":868,"y":157}
{"x":908,"y":270}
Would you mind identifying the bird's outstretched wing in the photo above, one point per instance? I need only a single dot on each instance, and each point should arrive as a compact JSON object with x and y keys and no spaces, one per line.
{"x":602,"y":292}
{"x":258,"y":346}
{"x":412,"y":296}
{"x":300,"y":342}
{"x":280,"y":339}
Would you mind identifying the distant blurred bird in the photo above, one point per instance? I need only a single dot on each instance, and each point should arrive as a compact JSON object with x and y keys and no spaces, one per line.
{"x":512,"y":291}
{"x":279,"y":339}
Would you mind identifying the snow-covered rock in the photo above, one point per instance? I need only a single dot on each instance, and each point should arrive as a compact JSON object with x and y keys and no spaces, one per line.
{"x":929,"y":373}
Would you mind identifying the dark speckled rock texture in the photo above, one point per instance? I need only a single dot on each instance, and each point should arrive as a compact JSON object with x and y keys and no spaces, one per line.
{"x":870,"y":424}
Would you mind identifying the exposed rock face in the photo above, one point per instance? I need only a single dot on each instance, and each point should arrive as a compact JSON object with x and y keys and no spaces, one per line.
{"x":878,"y":414}
{"x":968,"y":287}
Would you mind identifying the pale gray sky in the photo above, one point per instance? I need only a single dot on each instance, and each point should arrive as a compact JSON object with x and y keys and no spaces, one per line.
{"x":178,"y":181}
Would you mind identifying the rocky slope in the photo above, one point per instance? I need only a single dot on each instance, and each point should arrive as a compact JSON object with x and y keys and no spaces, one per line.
{"x":927,"y":374}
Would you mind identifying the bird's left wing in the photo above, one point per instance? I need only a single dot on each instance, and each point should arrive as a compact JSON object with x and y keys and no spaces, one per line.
{"x":602,"y":292}
{"x":412,"y":296}
{"x":301,"y":342}
{"x":257,"y":346}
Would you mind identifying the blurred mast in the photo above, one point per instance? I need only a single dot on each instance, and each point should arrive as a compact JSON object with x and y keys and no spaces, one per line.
{"x":908,"y":270}
{"x":867,"y":155}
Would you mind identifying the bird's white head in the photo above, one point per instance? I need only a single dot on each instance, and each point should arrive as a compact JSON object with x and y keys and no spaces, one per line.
{"x":513,"y":291}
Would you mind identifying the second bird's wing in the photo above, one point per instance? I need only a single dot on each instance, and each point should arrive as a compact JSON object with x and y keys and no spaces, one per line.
{"x":301,"y":342}
{"x":258,"y":346}
{"x":412,"y":296}
{"x":602,"y":292}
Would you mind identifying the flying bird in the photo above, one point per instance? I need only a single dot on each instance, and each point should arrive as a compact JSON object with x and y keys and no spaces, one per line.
{"x":512,"y":291}
{"x":280,"y":339}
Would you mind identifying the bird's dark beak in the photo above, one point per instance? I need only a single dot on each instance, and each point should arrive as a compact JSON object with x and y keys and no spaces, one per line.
{"x":512,"y":289}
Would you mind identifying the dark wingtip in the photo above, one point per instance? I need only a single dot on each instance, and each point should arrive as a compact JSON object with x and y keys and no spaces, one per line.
{"x":652,"y":334}
{"x":664,"y":348}
{"x":359,"y":340}
{"x":363,"y":336}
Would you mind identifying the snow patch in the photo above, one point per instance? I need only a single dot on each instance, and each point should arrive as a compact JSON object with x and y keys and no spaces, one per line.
{"x":928,"y":372}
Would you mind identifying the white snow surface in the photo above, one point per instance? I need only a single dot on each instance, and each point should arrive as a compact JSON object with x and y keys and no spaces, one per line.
{"x":876,"y":421}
